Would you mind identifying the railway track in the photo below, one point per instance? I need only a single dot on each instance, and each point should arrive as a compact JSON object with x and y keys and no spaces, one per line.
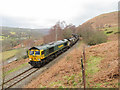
{"x":13,"y":81}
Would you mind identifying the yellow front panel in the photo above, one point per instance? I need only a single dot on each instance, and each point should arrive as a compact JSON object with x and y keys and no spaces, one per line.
{"x":33,"y":57}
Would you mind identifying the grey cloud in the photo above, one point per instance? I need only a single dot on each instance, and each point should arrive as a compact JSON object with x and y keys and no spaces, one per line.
{"x":91,"y":10}
{"x":95,"y":9}
{"x":17,"y":22}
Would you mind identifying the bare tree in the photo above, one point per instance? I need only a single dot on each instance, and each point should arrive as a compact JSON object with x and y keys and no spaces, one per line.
{"x":55,"y":33}
{"x":69,"y":30}
{"x":90,"y":35}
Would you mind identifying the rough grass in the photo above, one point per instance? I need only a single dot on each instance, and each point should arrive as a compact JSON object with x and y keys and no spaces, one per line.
{"x":92,"y":65}
{"x":58,"y":83}
{"x":92,"y":68}
{"x":110,"y":31}
{"x":68,"y":57}
{"x":2,"y":37}
{"x":72,"y":81}
{"x":15,"y":69}
{"x":8,"y":54}
{"x":12,"y":32}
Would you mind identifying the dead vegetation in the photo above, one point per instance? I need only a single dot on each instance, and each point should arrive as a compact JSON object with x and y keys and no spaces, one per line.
{"x":67,"y":72}
{"x":104,"y":20}
{"x":108,"y":68}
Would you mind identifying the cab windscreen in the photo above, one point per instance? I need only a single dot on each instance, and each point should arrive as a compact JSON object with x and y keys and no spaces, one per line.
{"x":37,"y":52}
{"x":31,"y":52}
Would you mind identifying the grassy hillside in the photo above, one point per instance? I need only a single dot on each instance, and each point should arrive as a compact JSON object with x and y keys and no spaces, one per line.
{"x":8,"y":54}
{"x":106,"y":23}
{"x":104,"y":20}
{"x":12,"y":37}
{"x":21,"y":33}
{"x":101,"y":69}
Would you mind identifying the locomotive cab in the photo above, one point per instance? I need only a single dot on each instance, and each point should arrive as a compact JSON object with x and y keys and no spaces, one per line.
{"x":35,"y":54}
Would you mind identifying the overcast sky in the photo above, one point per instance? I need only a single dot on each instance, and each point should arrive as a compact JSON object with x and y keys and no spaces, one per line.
{"x":45,"y":13}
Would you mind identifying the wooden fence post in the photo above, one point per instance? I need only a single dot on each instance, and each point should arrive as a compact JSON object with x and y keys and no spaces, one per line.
{"x":84,"y":67}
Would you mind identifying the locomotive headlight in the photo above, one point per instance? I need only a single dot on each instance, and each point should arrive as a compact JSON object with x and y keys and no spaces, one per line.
{"x":39,"y":59}
{"x":30,"y":59}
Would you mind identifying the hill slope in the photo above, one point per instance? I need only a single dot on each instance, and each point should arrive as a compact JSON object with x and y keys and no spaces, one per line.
{"x":101,"y":61}
{"x":101,"y":71}
{"x":104,"y":20}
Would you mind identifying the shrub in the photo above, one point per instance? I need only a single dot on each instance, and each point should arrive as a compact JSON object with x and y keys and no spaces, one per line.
{"x":97,"y":38}
{"x":117,"y":32}
{"x":109,"y":32}
{"x":105,"y":29}
{"x":91,"y":36}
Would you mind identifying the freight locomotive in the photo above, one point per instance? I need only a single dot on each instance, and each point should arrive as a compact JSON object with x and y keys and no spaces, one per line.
{"x":39,"y":55}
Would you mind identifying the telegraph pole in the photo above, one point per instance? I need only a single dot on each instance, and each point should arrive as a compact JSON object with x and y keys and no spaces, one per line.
{"x":56,"y":33}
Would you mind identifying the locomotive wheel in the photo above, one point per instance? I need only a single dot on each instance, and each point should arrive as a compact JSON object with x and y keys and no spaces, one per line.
{"x":38,"y":66}
{"x":55,"y":55}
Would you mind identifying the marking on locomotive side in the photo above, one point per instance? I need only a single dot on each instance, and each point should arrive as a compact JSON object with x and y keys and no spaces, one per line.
{"x":60,"y":46}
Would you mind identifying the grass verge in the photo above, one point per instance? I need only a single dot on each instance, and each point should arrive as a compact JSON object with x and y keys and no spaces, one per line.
{"x":8,"y":54}
{"x":92,"y":64}
{"x":92,"y":68}
{"x":15,"y":69}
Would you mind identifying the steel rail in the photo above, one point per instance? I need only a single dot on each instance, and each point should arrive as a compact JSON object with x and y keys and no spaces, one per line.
{"x":19,"y":76}
{"x":22,"y":78}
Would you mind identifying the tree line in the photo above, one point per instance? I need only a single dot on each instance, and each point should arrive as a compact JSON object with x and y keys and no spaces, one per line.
{"x":59,"y":31}
{"x":89,"y":35}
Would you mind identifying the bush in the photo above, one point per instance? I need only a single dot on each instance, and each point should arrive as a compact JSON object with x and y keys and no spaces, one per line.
{"x":91,"y":36}
{"x":109,"y":32}
{"x":117,"y":32}
{"x":97,"y":38}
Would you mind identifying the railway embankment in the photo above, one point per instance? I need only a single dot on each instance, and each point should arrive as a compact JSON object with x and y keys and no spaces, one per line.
{"x":101,"y":69}
{"x":15,"y":69}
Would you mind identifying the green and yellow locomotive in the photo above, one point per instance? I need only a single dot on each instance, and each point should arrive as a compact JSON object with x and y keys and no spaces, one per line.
{"x":39,"y":55}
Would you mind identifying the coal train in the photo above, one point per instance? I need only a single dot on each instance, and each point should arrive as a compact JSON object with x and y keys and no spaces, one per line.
{"x":39,"y":55}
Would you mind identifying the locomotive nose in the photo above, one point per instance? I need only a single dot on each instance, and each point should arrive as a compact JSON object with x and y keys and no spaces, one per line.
{"x":35,"y":58}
